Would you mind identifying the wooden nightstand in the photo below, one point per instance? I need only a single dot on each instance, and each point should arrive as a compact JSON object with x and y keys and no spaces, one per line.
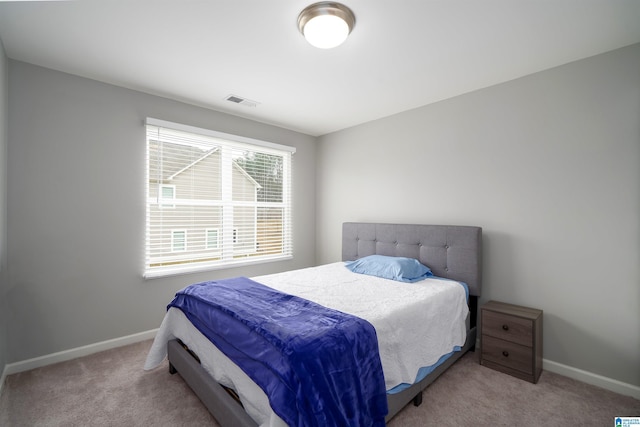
{"x":511,"y":340}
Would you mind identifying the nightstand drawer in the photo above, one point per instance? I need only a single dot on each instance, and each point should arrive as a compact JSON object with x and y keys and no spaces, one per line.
{"x":510,"y":328}
{"x":508,"y":354}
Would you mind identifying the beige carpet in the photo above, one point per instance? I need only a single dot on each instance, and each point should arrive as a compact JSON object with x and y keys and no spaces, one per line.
{"x":111,"y":389}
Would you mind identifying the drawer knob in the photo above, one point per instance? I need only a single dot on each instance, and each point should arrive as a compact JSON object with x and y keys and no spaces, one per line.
{"x":505,"y":353}
{"x":505,"y":327}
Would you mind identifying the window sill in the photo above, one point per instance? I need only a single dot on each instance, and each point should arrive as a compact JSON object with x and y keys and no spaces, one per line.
{"x":193,"y":268}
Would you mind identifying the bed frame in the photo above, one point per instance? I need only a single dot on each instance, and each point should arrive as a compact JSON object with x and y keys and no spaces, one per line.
{"x":454,"y":252}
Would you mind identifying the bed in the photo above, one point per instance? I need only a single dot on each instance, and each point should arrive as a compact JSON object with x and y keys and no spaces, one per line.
{"x":451,"y":252}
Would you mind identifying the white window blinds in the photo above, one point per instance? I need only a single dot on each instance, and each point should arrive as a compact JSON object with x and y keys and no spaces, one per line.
{"x":214,"y":200}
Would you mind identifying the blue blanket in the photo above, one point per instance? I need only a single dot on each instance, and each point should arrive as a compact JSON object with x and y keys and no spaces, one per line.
{"x":318,"y":366}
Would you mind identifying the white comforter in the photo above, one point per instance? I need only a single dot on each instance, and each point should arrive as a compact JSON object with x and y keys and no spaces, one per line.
{"x":416,"y":324}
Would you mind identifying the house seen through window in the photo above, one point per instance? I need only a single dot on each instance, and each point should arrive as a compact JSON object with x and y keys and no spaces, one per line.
{"x":214,"y":200}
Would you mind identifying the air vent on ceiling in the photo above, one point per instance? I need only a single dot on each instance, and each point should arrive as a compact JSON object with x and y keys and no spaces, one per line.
{"x":242,"y":101}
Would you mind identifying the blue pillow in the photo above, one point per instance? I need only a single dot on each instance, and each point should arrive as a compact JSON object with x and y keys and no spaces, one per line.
{"x":389,"y":267}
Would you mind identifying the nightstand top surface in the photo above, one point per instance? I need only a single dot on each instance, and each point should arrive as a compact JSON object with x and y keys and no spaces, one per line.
{"x":512,"y":309}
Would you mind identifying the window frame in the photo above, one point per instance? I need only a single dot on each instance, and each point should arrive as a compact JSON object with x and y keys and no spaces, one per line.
{"x":208,"y":241}
{"x":161,"y":198}
{"x":184,"y":240}
{"x":240,"y":256}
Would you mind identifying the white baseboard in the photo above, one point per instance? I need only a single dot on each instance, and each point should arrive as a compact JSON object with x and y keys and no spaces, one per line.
{"x":591,"y":378}
{"x":49,"y":359}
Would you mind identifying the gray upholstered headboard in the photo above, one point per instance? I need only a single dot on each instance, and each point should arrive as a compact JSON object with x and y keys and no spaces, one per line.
{"x":451,"y":251}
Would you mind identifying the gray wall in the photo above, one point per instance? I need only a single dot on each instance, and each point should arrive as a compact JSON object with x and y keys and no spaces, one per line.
{"x":4,"y":111}
{"x":549,"y":166}
{"x":76,"y":212}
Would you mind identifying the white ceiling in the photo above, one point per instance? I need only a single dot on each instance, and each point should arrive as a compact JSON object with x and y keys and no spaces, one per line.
{"x":400,"y":55}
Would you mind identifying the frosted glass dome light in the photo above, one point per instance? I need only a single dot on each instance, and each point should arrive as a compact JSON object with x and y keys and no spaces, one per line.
{"x":326,"y":24}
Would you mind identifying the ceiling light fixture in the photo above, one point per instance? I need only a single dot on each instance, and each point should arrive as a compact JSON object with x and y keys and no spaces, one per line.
{"x":326,"y":24}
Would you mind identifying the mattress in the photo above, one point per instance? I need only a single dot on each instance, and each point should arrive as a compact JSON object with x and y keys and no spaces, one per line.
{"x":416,"y":324}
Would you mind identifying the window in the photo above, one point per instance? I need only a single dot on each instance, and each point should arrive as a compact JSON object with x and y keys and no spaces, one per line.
{"x":212,"y":238}
{"x":178,"y":240}
{"x":229,"y":200}
{"x":167,"y":192}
